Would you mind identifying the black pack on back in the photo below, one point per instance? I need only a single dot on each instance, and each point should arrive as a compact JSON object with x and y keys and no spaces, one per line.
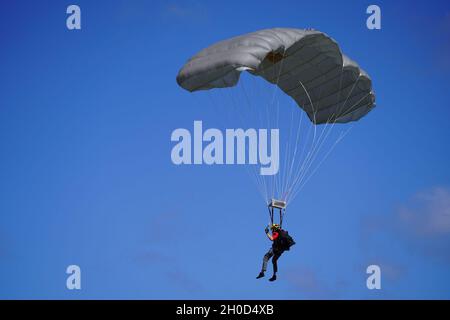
{"x":286,"y":241}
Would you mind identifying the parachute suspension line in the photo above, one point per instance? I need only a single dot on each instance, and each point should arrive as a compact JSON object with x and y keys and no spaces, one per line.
{"x":289,"y":170}
{"x":278,"y":174}
{"x":250,"y":172}
{"x":286,"y":157}
{"x":312,"y":143}
{"x":295,"y":158}
{"x":277,"y":126}
{"x":275,"y":179}
{"x":350,"y":110}
{"x":269,"y":186}
{"x":253,"y":177}
{"x":316,"y":149}
{"x":258,"y":184}
{"x":340,"y":87}
{"x":261,"y":181}
{"x":302,"y":160}
{"x":342,"y":136}
{"x":253,"y":172}
{"x":283,"y":168}
{"x":327,"y":125}
{"x":305,"y":179}
{"x":348,"y":96}
{"x":257,"y":92}
{"x":298,"y":166}
{"x":339,"y":139}
{"x":271,"y":103}
{"x":314,"y":115}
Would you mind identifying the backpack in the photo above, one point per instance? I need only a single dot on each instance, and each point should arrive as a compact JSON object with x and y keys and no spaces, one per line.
{"x":285,"y":240}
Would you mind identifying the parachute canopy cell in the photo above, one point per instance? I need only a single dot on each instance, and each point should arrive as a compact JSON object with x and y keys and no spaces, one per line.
{"x":307,"y":65}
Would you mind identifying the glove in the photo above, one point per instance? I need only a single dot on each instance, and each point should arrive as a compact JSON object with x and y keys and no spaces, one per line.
{"x":266,"y":229}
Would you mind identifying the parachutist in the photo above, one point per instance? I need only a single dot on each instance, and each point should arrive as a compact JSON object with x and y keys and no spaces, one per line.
{"x":309,"y":67}
{"x":281,"y":242}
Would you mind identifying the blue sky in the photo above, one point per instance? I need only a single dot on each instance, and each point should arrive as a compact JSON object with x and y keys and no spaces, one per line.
{"x":86,"y":176}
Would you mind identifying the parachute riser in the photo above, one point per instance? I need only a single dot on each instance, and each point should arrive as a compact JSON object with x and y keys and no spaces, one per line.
{"x":280,"y":206}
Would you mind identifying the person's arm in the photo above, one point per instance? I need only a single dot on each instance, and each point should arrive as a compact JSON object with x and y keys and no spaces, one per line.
{"x":272,"y":237}
{"x":266,"y":230}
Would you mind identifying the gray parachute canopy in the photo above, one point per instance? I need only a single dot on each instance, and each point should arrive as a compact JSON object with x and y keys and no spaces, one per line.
{"x":306,"y":64}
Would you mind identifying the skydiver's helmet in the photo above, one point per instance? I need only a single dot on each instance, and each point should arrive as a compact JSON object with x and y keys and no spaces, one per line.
{"x":275,"y":227}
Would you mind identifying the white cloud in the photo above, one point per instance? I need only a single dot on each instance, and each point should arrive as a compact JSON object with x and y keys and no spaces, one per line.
{"x":185,"y":11}
{"x":428,"y":214}
{"x":422,"y":224}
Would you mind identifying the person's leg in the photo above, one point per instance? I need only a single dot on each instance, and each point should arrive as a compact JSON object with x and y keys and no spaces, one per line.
{"x":276,"y":255}
{"x":266,"y":258}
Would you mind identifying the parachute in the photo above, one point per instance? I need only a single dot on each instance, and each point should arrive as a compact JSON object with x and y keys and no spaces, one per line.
{"x":306,"y":65}
{"x":288,"y":58}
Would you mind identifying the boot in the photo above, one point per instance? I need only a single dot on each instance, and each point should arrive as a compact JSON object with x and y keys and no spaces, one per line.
{"x":274,"y":277}
{"x":260,"y":275}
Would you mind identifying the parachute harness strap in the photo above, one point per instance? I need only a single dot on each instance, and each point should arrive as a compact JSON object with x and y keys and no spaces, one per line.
{"x":271,"y":213}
